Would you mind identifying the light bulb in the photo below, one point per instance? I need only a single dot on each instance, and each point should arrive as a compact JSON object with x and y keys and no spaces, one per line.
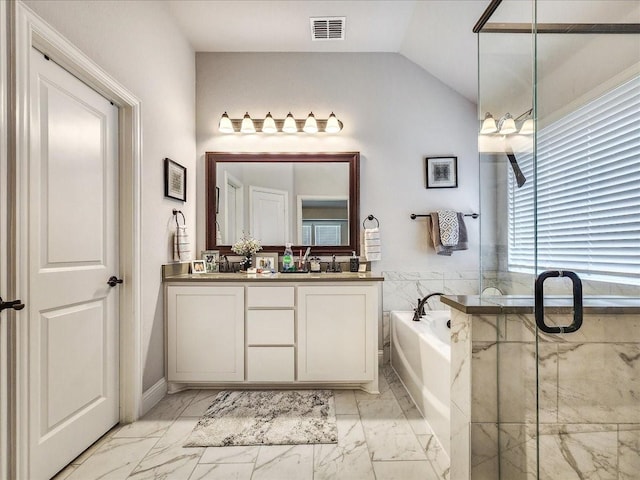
{"x":527,"y":127}
{"x":225,"y":125}
{"x":333,"y":124}
{"x":290,"y":124}
{"x":310,"y":125}
{"x":489,"y":125}
{"x":507,"y":125}
{"x":269,"y":125}
{"x":247,"y":124}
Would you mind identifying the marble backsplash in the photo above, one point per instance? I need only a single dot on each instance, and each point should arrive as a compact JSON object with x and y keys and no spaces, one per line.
{"x":402,"y":290}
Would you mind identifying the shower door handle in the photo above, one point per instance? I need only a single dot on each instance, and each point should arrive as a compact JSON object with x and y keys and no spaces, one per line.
{"x":577,"y":302}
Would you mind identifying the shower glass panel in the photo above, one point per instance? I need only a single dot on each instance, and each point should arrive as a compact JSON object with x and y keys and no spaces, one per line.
{"x":561,"y":193}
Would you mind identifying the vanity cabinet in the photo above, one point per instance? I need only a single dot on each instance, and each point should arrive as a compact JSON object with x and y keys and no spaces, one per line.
{"x":337,"y":328}
{"x":205,"y":333}
{"x":296,"y":334}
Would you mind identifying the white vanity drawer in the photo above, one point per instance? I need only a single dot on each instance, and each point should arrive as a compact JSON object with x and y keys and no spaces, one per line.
{"x":270,"y":297}
{"x":270,"y":327}
{"x":270,"y":364}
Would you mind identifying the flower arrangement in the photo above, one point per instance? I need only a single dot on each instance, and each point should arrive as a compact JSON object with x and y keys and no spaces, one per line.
{"x":247,"y":245}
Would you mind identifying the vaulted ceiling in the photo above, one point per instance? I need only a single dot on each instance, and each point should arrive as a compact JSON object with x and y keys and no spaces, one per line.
{"x":435,"y":34}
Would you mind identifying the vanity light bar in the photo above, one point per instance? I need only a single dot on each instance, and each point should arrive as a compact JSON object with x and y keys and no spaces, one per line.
{"x":275,"y":125}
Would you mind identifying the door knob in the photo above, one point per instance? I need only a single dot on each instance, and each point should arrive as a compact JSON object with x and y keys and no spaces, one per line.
{"x":113,"y":281}
{"x":15,"y":304}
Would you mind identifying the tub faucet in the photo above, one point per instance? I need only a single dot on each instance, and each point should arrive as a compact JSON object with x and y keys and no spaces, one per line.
{"x":419,"y":310}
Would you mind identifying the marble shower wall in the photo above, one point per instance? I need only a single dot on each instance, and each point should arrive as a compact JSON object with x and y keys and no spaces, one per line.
{"x":401,"y":291}
{"x":513,"y":283}
{"x":589,"y":394}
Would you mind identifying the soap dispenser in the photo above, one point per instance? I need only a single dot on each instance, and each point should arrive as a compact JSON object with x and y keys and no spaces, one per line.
{"x":354,"y":262}
{"x":287,"y":259}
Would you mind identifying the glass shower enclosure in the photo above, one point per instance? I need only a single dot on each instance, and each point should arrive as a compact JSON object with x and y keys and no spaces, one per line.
{"x":559,"y":151}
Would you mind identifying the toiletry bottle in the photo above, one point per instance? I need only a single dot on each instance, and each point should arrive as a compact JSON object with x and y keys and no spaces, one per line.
{"x":354,"y":262}
{"x":287,"y":259}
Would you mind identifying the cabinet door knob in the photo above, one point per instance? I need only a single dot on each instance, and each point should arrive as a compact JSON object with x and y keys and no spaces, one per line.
{"x":113,"y":281}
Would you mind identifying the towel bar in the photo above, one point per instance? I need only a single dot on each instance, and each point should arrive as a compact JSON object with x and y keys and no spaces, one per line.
{"x":472,"y":215}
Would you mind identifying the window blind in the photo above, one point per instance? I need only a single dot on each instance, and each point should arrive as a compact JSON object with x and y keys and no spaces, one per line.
{"x":587,"y":189}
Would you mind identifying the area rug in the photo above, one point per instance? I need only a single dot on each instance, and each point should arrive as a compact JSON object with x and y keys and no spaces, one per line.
{"x":267,"y":417}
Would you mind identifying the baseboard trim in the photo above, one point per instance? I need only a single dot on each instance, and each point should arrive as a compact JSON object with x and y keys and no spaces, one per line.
{"x":153,"y":395}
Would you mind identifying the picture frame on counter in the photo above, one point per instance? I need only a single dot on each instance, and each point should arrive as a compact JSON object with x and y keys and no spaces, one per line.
{"x":441,"y":172}
{"x":197,"y":267}
{"x":211,"y":259}
{"x":266,"y":261}
{"x":175,"y":180}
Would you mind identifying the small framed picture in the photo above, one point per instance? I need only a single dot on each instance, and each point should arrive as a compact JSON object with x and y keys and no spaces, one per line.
{"x":197,"y":266}
{"x":211,"y":259}
{"x":442,"y":172}
{"x":175,"y":180}
{"x":266,"y":261}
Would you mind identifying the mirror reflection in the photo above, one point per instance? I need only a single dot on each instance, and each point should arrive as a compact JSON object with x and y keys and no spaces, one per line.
{"x":304,"y":199}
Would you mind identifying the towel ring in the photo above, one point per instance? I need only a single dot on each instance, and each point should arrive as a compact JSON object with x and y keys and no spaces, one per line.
{"x":370,"y":218}
{"x":175,"y":214}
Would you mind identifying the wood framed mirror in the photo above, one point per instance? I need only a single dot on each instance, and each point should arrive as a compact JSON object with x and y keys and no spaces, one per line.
{"x":308,"y":199}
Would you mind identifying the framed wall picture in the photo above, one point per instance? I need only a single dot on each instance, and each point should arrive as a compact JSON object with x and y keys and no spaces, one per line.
{"x":266,"y":261}
{"x":441,"y":172}
{"x":211,"y":259}
{"x":197,"y":266}
{"x":175,"y":180}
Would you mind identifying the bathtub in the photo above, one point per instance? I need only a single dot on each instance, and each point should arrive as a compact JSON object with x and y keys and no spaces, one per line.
{"x":421,"y":356}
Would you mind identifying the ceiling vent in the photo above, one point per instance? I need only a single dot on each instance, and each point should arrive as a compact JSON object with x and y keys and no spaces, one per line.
{"x":327,"y":28}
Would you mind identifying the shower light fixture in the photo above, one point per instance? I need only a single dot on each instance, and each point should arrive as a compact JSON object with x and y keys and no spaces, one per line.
{"x":527,"y":127}
{"x":270,"y":125}
{"x":488,"y":125}
{"x":506,"y":125}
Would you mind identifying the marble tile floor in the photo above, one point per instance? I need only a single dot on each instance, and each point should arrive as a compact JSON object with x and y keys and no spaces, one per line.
{"x":380,"y":437}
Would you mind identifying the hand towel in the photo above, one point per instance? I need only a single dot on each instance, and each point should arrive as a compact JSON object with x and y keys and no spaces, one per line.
{"x":449,"y":228}
{"x":463,"y":239}
{"x":181,"y":252}
{"x":372,"y":244}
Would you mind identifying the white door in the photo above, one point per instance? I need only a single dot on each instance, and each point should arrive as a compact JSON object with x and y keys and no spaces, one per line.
{"x":269,"y":215}
{"x":72,"y":251}
{"x":233,"y":209}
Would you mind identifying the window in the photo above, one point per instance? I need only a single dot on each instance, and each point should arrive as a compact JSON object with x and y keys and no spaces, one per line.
{"x":327,"y":234}
{"x":588,"y":193}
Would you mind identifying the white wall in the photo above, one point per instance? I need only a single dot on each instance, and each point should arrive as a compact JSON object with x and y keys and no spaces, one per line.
{"x":394,"y":114}
{"x":138,"y":44}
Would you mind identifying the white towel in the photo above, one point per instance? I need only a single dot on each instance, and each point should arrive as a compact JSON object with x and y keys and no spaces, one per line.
{"x":449,"y":227}
{"x":372,"y":244}
{"x":181,"y":252}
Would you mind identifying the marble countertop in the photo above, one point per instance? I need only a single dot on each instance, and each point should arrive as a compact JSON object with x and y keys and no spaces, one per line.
{"x":524,"y":304}
{"x":274,"y":277}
